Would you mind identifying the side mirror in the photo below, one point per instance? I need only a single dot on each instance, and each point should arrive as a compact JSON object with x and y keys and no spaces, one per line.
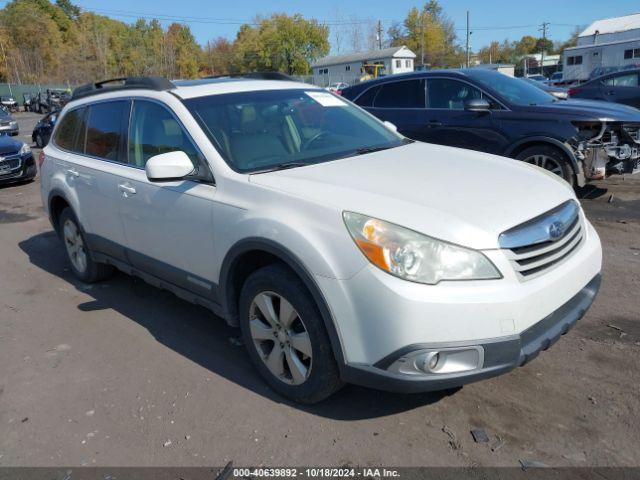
{"x":168,"y":166}
{"x":477,"y":105}
{"x":391,"y":126}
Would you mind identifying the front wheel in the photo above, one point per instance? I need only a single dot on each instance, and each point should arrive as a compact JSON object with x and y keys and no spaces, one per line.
{"x":285,"y":336}
{"x":550,"y":158}
{"x":39,"y":141}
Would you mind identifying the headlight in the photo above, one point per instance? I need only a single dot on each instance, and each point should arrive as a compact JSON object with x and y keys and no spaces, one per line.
{"x":413,"y":256}
{"x":13,"y":123}
{"x":25,"y":149}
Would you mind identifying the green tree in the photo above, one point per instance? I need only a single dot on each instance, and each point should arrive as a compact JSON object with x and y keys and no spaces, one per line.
{"x":526,"y":45}
{"x":281,"y":43}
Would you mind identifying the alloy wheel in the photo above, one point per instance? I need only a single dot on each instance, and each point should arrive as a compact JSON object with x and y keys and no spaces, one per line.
{"x":280,"y":338}
{"x":75,"y":246}
{"x":546,"y":162}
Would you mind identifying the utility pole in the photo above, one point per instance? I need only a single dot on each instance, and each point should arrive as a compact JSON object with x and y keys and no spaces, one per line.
{"x":543,"y":29}
{"x":468,"y":38}
{"x":422,"y":39}
{"x":379,"y":32}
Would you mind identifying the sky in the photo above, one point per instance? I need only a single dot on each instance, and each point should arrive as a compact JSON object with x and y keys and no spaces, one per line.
{"x":490,"y":19}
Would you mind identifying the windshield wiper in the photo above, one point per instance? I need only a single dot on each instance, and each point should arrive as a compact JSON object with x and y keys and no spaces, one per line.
{"x":284,"y":166}
{"x":365,"y":150}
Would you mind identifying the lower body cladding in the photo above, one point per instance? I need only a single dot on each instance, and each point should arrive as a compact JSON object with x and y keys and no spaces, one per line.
{"x":406,"y":337}
{"x":17,"y":169}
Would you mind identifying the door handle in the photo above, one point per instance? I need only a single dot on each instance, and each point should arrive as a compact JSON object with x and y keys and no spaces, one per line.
{"x":610,"y":92}
{"x":73,"y":172}
{"x":434,"y":123}
{"x":126,"y":190}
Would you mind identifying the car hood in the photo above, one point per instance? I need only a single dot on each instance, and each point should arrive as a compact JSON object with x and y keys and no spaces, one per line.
{"x":9,"y":145}
{"x":457,"y":195}
{"x":589,"y":110}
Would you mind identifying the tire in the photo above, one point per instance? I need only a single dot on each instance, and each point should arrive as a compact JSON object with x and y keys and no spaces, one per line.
{"x":87,"y":270}
{"x":273,"y":284}
{"x":550,"y":158}
{"x":39,"y":141}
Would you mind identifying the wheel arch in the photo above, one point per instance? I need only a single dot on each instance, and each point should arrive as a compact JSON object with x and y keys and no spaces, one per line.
{"x":250,"y":254}
{"x":57,"y":202}
{"x":519,"y":146}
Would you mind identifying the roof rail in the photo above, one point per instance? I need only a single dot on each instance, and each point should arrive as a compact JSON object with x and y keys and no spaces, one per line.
{"x":257,"y":76}
{"x":122,"y":83}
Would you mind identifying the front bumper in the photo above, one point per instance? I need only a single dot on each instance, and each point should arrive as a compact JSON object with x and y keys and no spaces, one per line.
{"x":9,"y":130}
{"x":25,"y":170}
{"x":499,"y":355}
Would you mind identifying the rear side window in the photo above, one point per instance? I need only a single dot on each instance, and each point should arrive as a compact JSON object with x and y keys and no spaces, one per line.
{"x":153,"y":131}
{"x":629,"y":80}
{"x":405,"y":94}
{"x":366,"y":99}
{"x":67,"y":130}
{"x":105,"y":124}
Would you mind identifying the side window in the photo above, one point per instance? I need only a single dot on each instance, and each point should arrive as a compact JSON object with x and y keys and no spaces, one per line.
{"x":630,"y":80}
{"x":450,"y":94}
{"x":608,"y":81}
{"x":105,"y":124}
{"x":366,"y":99}
{"x":66,"y":133}
{"x":154,"y":130}
{"x":405,"y":94}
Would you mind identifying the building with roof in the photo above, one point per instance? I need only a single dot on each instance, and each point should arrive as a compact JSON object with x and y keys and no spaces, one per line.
{"x":612,"y":42}
{"x":348,"y":68}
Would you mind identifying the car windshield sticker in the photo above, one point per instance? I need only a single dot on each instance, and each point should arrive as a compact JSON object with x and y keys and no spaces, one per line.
{"x":326,"y":99}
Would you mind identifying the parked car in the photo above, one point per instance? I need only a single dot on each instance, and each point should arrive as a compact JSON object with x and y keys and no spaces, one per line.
{"x":27,"y":99}
{"x":8,"y":124}
{"x":42,"y":130}
{"x":560,"y":93}
{"x":491,"y":112}
{"x":538,"y":78}
{"x":337,"y":87}
{"x":619,"y":87}
{"x":51,"y":99}
{"x":555,"y":78}
{"x":344,"y":251}
{"x":16,"y":161}
{"x":9,"y":102}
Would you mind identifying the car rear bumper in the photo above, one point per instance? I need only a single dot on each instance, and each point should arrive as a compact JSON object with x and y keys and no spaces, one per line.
{"x":499,"y":355}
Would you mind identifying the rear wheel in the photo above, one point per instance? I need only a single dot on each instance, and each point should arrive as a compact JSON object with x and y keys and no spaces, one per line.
{"x":79,"y":255}
{"x":550,"y":158}
{"x":285,"y":336}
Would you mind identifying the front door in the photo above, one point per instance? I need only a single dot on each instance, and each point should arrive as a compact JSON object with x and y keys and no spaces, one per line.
{"x":448,"y":123}
{"x":168,"y":225}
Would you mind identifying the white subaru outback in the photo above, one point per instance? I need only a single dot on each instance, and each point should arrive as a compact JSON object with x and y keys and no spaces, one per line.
{"x":345,"y":252}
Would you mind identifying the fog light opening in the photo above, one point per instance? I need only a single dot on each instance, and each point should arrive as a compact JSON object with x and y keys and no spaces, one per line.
{"x":431,"y":362}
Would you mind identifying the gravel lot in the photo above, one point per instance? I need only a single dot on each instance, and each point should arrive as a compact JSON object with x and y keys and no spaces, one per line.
{"x":123,"y":374}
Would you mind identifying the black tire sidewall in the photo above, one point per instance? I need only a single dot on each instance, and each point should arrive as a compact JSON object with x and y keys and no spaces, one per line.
{"x":324,"y":378}
{"x":568,"y":172}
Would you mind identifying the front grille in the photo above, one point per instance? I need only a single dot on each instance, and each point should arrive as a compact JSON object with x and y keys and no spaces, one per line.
{"x":5,"y":124}
{"x":9,"y":164}
{"x":538,"y":245}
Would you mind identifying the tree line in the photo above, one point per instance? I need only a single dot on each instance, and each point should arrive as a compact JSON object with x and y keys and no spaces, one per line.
{"x":45,"y":42}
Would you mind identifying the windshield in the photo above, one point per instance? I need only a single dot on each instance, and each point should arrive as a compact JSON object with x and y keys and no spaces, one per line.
{"x":258,"y":131}
{"x":514,"y":90}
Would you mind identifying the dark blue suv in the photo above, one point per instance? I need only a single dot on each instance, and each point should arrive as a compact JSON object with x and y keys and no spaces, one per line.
{"x":488,"y":111}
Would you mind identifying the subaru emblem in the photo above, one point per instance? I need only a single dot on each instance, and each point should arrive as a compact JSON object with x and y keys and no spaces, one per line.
{"x":556,"y":230}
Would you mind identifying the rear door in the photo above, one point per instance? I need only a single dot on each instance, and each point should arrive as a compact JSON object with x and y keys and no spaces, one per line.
{"x":448,"y":123}
{"x":168,"y":225}
{"x":93,"y":163}
{"x":400,"y":102}
{"x":623,"y":88}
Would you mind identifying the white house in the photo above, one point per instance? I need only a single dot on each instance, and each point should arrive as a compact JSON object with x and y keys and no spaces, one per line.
{"x":347,"y":68}
{"x":612,"y":42}
{"x":506,"y":68}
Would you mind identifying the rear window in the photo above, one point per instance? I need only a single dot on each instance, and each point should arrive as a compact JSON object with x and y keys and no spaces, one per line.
{"x":106,"y":122}
{"x":66,"y":132}
{"x":405,"y":94}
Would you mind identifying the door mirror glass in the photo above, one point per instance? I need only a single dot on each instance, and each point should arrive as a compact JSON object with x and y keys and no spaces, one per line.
{"x":477,"y":105}
{"x":168,"y":166}
{"x":391,"y":126}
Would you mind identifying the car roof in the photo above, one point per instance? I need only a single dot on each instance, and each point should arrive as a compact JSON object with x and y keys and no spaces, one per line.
{"x":205,"y":87}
